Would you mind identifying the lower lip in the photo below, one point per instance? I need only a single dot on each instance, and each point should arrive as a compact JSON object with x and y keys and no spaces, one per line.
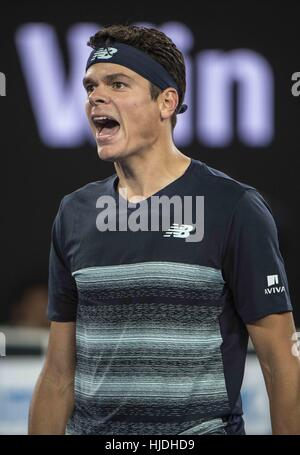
{"x":106,"y":138}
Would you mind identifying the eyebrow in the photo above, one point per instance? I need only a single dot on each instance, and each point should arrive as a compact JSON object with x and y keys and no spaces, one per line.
{"x":107,"y":78}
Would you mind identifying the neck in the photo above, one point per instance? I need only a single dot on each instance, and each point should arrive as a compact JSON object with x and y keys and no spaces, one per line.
{"x":144,"y":174}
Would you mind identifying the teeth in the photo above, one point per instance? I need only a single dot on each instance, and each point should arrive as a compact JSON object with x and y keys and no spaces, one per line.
{"x":99,"y":119}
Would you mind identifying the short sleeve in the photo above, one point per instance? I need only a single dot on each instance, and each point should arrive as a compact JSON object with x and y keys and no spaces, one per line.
{"x":252,"y":265}
{"x":62,"y":290}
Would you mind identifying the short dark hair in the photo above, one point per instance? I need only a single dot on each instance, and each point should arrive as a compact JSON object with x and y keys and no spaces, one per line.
{"x":154,"y":43}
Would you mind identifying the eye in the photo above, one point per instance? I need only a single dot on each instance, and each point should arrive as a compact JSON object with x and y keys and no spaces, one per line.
{"x":89,"y":88}
{"x":118,"y":84}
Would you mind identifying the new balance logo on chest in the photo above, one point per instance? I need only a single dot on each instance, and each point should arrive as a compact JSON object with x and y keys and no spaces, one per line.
{"x":179,"y":230}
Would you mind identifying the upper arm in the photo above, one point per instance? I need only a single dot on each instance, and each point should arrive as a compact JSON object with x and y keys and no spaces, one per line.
{"x":253,"y":266}
{"x":272,"y":337}
{"x":60,"y":357}
{"x":62,"y":289}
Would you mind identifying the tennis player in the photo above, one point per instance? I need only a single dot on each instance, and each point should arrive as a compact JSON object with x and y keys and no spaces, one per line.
{"x":151,"y":311}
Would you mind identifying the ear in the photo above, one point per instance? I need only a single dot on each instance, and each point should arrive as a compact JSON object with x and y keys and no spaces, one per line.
{"x":168,"y":102}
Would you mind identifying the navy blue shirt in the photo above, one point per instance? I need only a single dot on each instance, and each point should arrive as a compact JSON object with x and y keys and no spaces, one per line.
{"x":161,"y":336}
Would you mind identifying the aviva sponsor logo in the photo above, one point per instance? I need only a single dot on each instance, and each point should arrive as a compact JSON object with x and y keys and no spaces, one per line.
{"x":272,"y":280}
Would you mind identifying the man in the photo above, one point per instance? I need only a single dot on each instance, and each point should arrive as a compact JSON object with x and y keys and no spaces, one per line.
{"x":161,"y":317}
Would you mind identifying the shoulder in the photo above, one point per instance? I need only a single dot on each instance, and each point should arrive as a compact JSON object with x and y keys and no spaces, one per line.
{"x":73,"y":200}
{"x":224,"y":188}
{"x":219,"y":179}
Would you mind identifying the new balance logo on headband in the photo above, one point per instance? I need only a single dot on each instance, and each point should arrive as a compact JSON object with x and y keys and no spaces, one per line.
{"x":104,"y":52}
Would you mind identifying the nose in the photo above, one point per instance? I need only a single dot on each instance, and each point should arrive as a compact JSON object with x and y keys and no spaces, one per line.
{"x":98,"y":96}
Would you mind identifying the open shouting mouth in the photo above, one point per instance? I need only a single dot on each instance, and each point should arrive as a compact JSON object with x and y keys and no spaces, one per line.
{"x":106,"y":127}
